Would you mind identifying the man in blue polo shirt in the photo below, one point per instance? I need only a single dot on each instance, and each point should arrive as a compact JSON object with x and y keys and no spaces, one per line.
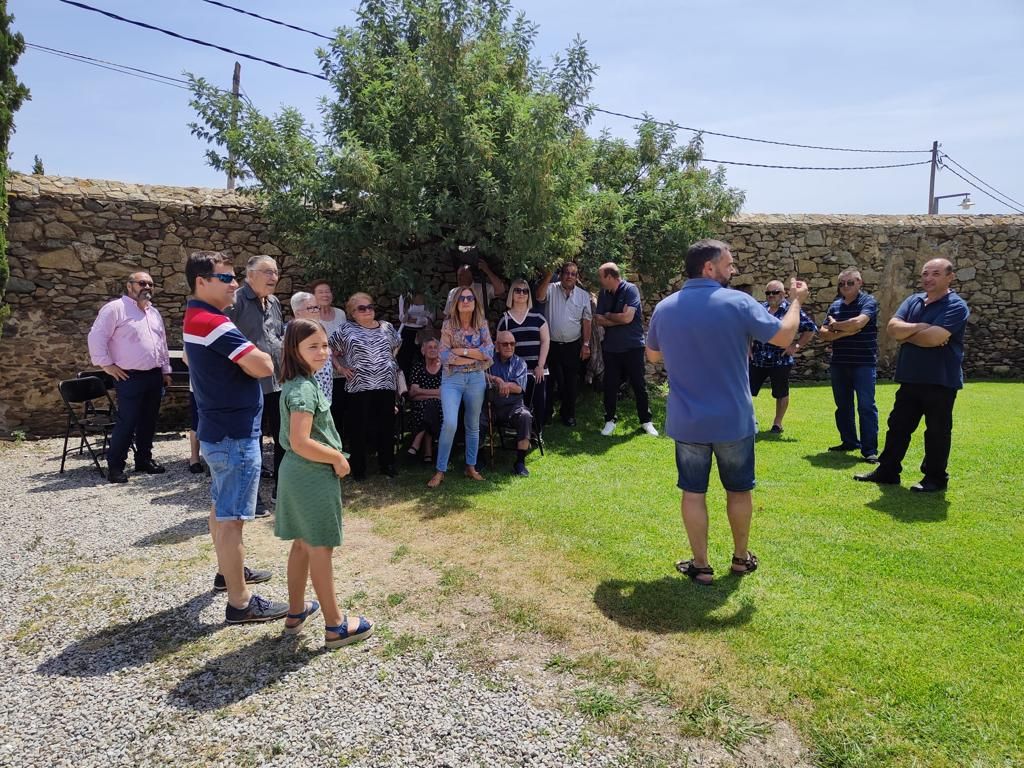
{"x":702,"y":334}
{"x":224,"y":369}
{"x":851,"y":327}
{"x":929,"y":370}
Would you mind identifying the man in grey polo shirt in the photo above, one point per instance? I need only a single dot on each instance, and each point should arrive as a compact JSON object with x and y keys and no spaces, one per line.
{"x":257,"y":314}
{"x":569,"y":317}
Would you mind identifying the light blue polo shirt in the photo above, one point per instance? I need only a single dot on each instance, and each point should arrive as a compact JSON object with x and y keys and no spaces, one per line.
{"x":704,"y":331}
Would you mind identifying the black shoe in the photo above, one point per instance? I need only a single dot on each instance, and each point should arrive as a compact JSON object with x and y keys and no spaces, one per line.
{"x":266,"y":474}
{"x":251,"y":577}
{"x":262,"y":510}
{"x":871,"y":458}
{"x":196,"y":468}
{"x":519,"y":469}
{"x":843,"y":447}
{"x":570,"y":422}
{"x":389,"y":470}
{"x":258,"y":609}
{"x":117,"y":476}
{"x":927,"y":486}
{"x":877,"y":477}
{"x":778,"y":430}
{"x":150,"y":468}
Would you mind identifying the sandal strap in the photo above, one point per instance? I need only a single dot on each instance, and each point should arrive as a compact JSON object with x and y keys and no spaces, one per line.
{"x":687,"y":567}
{"x":313,"y":605}
{"x":342,"y":629}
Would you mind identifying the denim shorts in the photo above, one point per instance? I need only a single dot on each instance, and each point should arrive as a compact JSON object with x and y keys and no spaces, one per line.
{"x":735,"y":465}
{"x":235,"y":468}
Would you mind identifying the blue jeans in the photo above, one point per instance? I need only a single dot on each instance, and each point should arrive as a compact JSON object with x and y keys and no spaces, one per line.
{"x":859,"y":380}
{"x":235,"y":473}
{"x":469,"y":389}
{"x":735,"y":465}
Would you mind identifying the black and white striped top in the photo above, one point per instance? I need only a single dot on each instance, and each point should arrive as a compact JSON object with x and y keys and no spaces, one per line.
{"x":527,"y":335}
{"x":370,"y":353}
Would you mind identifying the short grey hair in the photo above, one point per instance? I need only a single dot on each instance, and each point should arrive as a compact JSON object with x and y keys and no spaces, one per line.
{"x":255,"y":261}
{"x":299,"y":299}
{"x":851,"y":272}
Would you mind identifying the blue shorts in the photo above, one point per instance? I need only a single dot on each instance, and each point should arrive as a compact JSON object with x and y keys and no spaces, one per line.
{"x":235,"y":468}
{"x":735,"y":465}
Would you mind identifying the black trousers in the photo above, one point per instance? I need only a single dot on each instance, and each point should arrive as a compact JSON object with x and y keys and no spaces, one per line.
{"x":338,"y":406}
{"x":138,"y":405}
{"x":409,"y":352}
{"x":370,"y":424}
{"x":631,"y":366}
{"x":564,"y":364}
{"x":272,"y":427}
{"x":935,"y":404}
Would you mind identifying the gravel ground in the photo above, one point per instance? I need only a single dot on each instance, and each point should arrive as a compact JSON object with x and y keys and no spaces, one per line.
{"x":115,"y":652}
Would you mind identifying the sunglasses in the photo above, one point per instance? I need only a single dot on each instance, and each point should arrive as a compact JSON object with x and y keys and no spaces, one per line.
{"x":312,"y":309}
{"x":467,"y":298}
{"x":143,"y":283}
{"x":520,"y":290}
{"x":772,"y":293}
{"x":847,"y":283}
{"x":225,"y":277}
{"x":365,"y":307}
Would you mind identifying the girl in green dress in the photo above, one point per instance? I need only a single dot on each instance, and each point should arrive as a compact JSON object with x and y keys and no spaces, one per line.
{"x":309,"y":489}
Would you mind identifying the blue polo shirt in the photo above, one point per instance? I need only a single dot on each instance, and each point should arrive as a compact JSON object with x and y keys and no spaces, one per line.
{"x":229,"y":400}
{"x":934,"y":365}
{"x":620,"y":338}
{"x":704,"y":332}
{"x":861,"y":348}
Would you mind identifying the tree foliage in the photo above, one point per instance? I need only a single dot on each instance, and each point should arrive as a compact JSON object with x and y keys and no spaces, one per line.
{"x":443,"y":131}
{"x":12,"y":95}
{"x":37,"y":166}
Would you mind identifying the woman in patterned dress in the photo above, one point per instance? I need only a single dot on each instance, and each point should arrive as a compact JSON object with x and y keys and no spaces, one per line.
{"x":533,"y":340}
{"x":305,"y":307}
{"x":368,"y":346}
{"x":425,"y":400}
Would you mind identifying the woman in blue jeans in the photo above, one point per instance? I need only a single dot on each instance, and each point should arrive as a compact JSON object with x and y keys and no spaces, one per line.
{"x":466,"y":352}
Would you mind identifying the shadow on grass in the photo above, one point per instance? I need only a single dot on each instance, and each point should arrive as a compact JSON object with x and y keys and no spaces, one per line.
{"x":671,"y":604}
{"x":905,"y":506}
{"x":133,"y":644}
{"x":239,"y":674}
{"x":175,"y":534}
{"x":838,"y":460}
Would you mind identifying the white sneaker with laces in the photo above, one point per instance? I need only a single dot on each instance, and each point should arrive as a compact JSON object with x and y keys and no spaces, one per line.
{"x":609,"y":427}
{"x":648,"y":427}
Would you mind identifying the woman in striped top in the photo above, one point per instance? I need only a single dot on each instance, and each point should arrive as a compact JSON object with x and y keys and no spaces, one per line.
{"x":466,"y":352}
{"x":368,"y":347}
{"x":533,"y":340}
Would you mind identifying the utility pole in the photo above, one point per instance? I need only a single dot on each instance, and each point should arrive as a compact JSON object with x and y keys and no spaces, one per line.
{"x":236,"y":84}
{"x":932,"y":205}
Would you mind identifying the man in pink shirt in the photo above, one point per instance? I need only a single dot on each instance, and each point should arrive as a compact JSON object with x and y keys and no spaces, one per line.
{"x":128,"y":341}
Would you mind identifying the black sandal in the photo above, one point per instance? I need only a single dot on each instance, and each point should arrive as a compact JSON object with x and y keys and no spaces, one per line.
{"x":749,"y":563}
{"x":687,"y":568}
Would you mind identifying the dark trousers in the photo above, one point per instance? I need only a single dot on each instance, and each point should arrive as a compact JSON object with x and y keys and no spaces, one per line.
{"x":631,"y":366}
{"x":338,"y":407}
{"x":272,"y":427}
{"x":564,"y":364}
{"x":913,"y":401}
{"x":536,"y":398}
{"x":409,"y":352}
{"x":370,"y":423}
{"x":849,"y":381}
{"x":138,"y":404}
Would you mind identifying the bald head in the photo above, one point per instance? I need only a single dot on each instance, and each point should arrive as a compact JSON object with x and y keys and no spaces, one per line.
{"x":506,"y":343}
{"x":937,"y":276}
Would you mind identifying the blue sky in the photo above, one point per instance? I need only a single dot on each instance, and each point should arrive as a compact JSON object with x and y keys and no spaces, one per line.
{"x":894,"y":74}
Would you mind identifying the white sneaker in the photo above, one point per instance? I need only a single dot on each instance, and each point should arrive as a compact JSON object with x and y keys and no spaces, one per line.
{"x":648,"y":427}
{"x":609,"y":427}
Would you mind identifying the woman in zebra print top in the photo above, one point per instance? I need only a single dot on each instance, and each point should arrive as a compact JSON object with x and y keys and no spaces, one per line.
{"x":368,"y":346}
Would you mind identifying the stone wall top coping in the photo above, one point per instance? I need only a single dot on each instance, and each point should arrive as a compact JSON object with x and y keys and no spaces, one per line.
{"x":917,"y":221}
{"x":32,"y":186}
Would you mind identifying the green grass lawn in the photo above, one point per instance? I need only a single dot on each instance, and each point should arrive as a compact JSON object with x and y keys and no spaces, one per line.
{"x":887,"y":626}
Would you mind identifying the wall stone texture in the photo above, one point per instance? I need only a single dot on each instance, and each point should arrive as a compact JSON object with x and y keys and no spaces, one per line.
{"x":74,"y":241}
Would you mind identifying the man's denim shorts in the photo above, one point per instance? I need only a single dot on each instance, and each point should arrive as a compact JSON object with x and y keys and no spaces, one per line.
{"x":235,"y":468}
{"x":735,"y":465}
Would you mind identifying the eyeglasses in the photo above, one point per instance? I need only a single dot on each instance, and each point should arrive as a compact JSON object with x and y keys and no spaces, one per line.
{"x":772,"y":293}
{"x":365,"y":307}
{"x":225,"y":277}
{"x":847,"y":283}
{"x":506,"y":343}
{"x":520,"y":290}
{"x":143,"y":283}
{"x":313,"y":309}
{"x":467,"y":298}
{"x":268,"y":272}
{"x":569,"y":274}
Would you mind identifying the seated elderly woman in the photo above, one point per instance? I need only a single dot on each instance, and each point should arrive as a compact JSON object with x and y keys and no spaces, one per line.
{"x":425,"y":399}
{"x":369,"y":346}
{"x":305,"y":306}
{"x":506,"y":379}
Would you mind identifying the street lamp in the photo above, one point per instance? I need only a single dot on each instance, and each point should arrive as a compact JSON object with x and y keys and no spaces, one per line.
{"x":966,"y":203}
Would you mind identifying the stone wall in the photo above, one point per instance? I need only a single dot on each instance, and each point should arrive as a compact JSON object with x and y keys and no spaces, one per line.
{"x":74,"y":241}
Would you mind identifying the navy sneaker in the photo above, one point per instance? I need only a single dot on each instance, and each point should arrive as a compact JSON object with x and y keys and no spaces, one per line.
{"x":262,"y":509}
{"x":259,"y":609}
{"x":251,"y":577}
{"x":519,"y":469}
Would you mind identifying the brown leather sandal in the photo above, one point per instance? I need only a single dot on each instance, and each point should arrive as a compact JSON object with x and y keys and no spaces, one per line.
{"x":436,"y":480}
{"x":748,"y":563}
{"x":472,"y":474}
{"x":688,"y":568}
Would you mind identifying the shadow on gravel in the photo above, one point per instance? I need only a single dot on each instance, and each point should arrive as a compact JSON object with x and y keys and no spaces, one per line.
{"x":175,"y":534}
{"x":133,"y":644}
{"x":235,"y":676}
{"x":672,"y":604}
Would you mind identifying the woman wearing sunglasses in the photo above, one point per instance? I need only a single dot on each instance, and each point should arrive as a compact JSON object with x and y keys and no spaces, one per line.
{"x":368,"y":347}
{"x":466,"y":352}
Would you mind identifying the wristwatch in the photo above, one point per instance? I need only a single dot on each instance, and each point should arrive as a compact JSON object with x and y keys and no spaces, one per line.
{"x":586,"y":343}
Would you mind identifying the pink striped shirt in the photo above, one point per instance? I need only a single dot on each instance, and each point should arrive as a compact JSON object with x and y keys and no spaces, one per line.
{"x":128,"y":337}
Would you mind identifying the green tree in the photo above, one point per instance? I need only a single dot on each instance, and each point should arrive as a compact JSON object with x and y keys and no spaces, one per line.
{"x":37,"y":166}
{"x":442,"y":131}
{"x":12,"y":94}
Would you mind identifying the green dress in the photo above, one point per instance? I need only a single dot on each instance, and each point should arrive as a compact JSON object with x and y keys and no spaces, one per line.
{"x":308,"y":492}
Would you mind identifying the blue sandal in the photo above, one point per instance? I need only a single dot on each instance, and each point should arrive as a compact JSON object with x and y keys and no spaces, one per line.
{"x":313,"y":610}
{"x":363,"y":631}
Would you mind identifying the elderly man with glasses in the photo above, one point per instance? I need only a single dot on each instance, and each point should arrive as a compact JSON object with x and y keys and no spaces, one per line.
{"x":129,"y":342}
{"x":257,"y":314}
{"x":768,"y":361}
{"x":506,"y":380}
{"x":851,"y":327}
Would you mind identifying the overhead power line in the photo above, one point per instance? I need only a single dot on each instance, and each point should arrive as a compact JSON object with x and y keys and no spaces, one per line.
{"x":1003,"y":194}
{"x":123,"y":69}
{"x":197,"y":41}
{"x":980,"y":189}
{"x":759,"y":141}
{"x":817,"y":167}
{"x":267,"y":18}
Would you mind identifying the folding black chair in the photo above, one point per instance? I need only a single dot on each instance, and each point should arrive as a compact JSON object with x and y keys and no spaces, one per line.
{"x":97,"y":417}
{"x":505,"y":430}
{"x":93,"y":409}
